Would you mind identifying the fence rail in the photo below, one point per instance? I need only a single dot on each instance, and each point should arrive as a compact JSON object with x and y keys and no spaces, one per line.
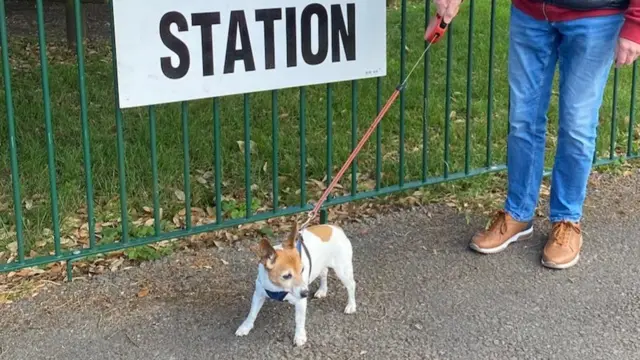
{"x":439,"y":146}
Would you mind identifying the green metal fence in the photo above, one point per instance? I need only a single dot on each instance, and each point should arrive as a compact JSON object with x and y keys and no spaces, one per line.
{"x":422,"y":157}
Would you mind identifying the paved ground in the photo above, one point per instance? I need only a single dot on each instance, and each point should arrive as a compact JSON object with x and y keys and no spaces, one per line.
{"x":421,"y":293}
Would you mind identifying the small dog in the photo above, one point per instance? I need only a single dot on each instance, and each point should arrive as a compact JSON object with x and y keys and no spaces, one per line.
{"x":285,"y":272}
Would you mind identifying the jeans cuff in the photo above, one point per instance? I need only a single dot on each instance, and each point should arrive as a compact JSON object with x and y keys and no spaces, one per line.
{"x":517,"y":217}
{"x":573,"y":219}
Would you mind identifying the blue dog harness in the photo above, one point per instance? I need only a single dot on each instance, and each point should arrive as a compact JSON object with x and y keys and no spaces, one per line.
{"x":281,"y":295}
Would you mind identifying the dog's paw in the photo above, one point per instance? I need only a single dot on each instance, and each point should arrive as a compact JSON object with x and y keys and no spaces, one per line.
{"x":300,"y":340}
{"x":350,"y":309}
{"x":243,"y":330}
{"x":321,"y":293}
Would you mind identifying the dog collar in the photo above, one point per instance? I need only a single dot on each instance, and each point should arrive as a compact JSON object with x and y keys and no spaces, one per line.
{"x":281,"y":295}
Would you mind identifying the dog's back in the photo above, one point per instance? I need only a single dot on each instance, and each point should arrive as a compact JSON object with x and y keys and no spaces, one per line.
{"x":329,"y":247}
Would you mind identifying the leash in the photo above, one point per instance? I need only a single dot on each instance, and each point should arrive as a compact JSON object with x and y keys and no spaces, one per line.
{"x":434,"y":32}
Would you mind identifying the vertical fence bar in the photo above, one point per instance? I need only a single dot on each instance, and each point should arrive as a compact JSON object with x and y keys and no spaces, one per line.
{"x":403,"y":70}
{"x":354,"y":135}
{"x":632,"y":110}
{"x":247,"y":156}
{"x":467,"y":125}
{"x":425,"y":99}
{"x":303,"y":146}
{"x":275,"y":135}
{"x":492,"y":31}
{"x":154,"y":169}
{"x":187,"y":162}
{"x":323,"y":213}
{"x":85,"y":122}
{"x":119,"y":138}
{"x":378,"y":135}
{"x":13,"y":147}
{"x":614,"y":116}
{"x":46,"y":99}
{"x":217,"y":162}
{"x":447,"y":105}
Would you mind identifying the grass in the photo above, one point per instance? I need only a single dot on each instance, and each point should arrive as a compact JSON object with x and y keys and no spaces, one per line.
{"x":67,"y":130}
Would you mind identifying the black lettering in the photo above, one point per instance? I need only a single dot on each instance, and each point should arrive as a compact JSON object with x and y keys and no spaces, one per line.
{"x":269,"y":17}
{"x":292,"y":38}
{"x":206,"y":22}
{"x":174,"y":44}
{"x":339,"y":31}
{"x":238,"y":23}
{"x":323,"y":34}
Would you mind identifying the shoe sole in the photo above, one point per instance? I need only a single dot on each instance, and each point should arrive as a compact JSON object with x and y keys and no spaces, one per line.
{"x":555,"y":266}
{"x":552,"y":265}
{"x":524,"y":235}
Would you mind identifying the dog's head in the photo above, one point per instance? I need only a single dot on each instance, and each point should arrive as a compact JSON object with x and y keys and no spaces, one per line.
{"x":284,"y":266}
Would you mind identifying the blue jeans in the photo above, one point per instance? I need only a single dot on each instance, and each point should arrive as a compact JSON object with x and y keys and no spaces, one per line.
{"x":584,"y":50}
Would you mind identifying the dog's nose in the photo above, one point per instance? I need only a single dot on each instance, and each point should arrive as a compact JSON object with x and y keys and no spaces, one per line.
{"x":304,"y":294}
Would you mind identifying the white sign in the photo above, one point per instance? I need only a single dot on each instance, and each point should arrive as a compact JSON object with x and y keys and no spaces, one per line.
{"x":176,"y":50}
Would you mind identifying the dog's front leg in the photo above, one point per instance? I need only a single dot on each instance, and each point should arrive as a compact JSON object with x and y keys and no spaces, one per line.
{"x":256,"y":304}
{"x":300,"y":337}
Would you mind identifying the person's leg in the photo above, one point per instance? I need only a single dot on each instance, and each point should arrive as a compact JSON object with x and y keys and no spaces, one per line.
{"x":533,"y":56}
{"x":586,"y":56}
{"x":533,"y":46}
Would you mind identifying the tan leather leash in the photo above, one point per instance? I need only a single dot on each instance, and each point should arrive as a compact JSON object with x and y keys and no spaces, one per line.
{"x":435,"y":31}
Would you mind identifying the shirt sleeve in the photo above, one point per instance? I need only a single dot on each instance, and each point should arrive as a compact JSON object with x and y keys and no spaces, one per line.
{"x":631,"y":28}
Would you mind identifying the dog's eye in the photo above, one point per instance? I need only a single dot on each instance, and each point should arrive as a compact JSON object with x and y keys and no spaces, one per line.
{"x":286,"y":276}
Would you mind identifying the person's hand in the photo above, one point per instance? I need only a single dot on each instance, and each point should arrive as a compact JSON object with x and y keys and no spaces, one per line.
{"x":627,"y":51}
{"x":448,"y":9}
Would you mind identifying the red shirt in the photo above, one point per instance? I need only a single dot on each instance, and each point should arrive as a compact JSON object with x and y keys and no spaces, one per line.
{"x":541,"y":11}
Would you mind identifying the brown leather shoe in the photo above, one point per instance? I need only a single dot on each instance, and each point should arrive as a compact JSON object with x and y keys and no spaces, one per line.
{"x":502,"y":231}
{"x":563,"y":247}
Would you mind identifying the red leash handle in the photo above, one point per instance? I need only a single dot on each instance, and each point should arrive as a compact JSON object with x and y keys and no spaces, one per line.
{"x":436,"y":29}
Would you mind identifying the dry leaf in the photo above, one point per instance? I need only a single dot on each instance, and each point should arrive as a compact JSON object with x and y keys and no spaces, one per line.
{"x":241,"y":145}
{"x":28,"y":204}
{"x":13,"y":247}
{"x":116,"y":264}
{"x":148,"y":210}
{"x":144,"y":292}
{"x":179,"y":194}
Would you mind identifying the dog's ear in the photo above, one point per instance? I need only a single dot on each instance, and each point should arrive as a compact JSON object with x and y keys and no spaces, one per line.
{"x":290,"y":242}
{"x":267,"y":254}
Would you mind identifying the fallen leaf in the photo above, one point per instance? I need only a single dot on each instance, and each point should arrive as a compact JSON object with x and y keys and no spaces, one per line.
{"x":144,"y":292}
{"x":241,"y":145}
{"x":179,"y":194}
{"x":116,"y":264}
{"x":28,"y":204}
{"x":13,"y":247}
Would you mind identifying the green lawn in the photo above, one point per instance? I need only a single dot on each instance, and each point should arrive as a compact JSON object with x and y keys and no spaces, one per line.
{"x":31,"y":134}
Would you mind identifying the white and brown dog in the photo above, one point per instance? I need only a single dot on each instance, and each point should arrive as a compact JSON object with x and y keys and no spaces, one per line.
{"x":285,"y":272}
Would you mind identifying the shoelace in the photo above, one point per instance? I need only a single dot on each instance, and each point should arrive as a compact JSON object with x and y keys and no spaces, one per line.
{"x":499,"y":218}
{"x":559,"y":232}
